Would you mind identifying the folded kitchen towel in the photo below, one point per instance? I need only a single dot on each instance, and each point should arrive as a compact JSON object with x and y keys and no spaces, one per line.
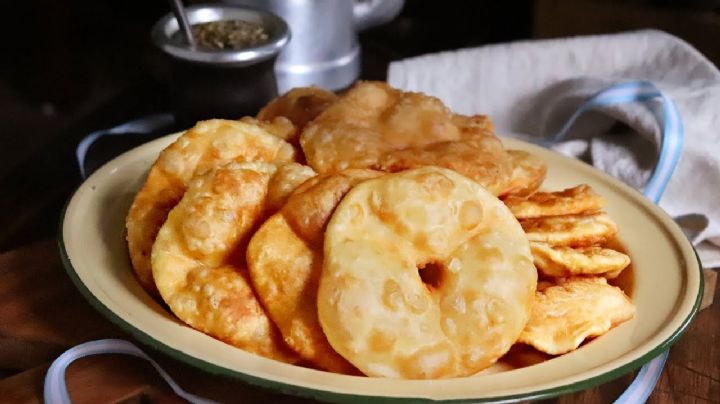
{"x":533,"y":87}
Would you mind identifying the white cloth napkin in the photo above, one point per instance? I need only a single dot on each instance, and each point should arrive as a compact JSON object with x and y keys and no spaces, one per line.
{"x":533,"y":87}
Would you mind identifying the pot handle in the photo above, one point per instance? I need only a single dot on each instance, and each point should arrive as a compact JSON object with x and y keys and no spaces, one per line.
{"x":671,"y":126}
{"x":370,"y":13}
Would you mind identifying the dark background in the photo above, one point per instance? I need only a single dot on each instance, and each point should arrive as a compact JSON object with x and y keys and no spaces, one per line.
{"x":70,"y":67}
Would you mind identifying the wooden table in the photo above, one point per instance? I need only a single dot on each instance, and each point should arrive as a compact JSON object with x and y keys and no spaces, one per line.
{"x":42,"y":314}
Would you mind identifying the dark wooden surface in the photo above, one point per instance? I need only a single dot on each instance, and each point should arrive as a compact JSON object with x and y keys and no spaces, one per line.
{"x":42,"y":314}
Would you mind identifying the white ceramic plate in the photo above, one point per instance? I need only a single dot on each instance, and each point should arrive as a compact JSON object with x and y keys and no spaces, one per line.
{"x":667,"y":290}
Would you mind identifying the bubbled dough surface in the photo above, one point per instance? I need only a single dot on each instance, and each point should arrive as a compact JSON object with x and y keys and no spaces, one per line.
{"x":284,"y":182}
{"x":564,"y":315}
{"x":375,"y":126}
{"x":571,"y":201}
{"x":571,"y":230}
{"x":372,"y":304}
{"x":198,"y":258}
{"x":559,"y":261}
{"x":528,"y":173}
{"x":207,"y":145}
{"x":285,"y":262}
{"x":299,"y":106}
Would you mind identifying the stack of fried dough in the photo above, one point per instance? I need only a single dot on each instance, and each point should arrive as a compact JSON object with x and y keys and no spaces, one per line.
{"x":372,"y":233}
{"x":572,"y":243}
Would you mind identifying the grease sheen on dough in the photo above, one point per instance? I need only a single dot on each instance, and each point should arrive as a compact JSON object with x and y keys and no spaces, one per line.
{"x":564,"y":315}
{"x":207,"y":145}
{"x":285,"y":261}
{"x":198,"y":258}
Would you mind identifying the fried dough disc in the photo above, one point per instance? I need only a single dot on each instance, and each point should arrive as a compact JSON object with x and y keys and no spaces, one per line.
{"x":528,"y":174}
{"x":557,"y":261}
{"x":285,"y":261}
{"x":565,"y":314}
{"x":574,"y":230}
{"x":284,"y":182}
{"x":299,"y":106}
{"x":571,"y":201}
{"x":474,"y":158}
{"x":460,"y":312}
{"x":278,"y":126}
{"x":198,"y":258}
{"x":376,"y":126}
{"x":207,"y":145}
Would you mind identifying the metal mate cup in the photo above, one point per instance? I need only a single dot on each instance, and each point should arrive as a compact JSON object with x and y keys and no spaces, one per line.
{"x":218,"y":83}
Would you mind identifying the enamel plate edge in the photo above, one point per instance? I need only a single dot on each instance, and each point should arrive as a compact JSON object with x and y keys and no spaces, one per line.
{"x":667,"y":292}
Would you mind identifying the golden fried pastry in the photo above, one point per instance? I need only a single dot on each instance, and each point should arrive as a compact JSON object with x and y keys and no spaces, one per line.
{"x":412,"y":267}
{"x":573,"y":230}
{"x":278,"y":126}
{"x":207,"y":145}
{"x":528,"y":174}
{"x":572,"y":201}
{"x":558,"y":261}
{"x":565,"y":314}
{"x":198,"y":258}
{"x":544,"y":284}
{"x":285,"y":261}
{"x":471,"y":126}
{"x":299,"y":106}
{"x":474,"y":158}
{"x":376,"y":126}
{"x":284,"y":182}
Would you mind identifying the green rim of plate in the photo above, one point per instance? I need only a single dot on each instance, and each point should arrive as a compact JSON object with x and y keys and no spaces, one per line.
{"x":326,"y":395}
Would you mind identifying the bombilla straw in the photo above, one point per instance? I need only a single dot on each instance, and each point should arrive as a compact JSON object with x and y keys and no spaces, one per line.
{"x":179,"y":11}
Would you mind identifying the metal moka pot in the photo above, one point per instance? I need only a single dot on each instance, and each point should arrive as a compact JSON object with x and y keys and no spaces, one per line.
{"x":324,"y":50}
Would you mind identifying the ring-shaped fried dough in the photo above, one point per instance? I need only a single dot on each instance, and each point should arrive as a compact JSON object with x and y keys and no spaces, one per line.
{"x":198,"y":258}
{"x":560,"y":262}
{"x":573,"y":230}
{"x":425,"y":275}
{"x":373,"y":125}
{"x":285,"y":261}
{"x":207,"y":145}
{"x":299,"y":106}
{"x":564,"y":315}
{"x":577,"y":200}
{"x":528,"y":174}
